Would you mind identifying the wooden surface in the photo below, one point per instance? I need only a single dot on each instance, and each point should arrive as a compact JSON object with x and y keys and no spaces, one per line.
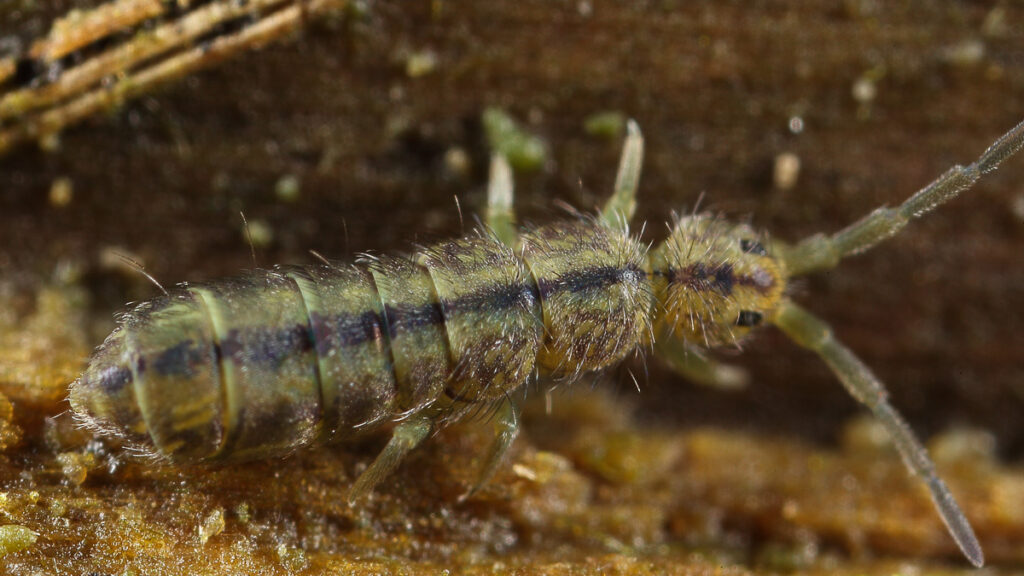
{"x":717,"y":88}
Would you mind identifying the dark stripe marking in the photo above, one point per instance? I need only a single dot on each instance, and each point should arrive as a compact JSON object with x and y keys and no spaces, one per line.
{"x":722,"y":278}
{"x":493,"y":298}
{"x":112,"y":379}
{"x":175,"y":362}
{"x":344,"y":330}
{"x":404,"y":317}
{"x":268,"y":347}
{"x":586,"y":279}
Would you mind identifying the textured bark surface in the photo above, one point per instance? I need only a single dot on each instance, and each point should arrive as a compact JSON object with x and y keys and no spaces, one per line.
{"x":875,"y":99}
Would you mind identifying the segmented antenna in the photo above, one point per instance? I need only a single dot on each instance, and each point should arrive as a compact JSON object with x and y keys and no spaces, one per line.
{"x":821,"y":252}
{"x":815,"y":335}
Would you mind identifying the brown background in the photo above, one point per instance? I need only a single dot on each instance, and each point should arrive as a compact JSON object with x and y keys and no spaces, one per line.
{"x":938,"y":312}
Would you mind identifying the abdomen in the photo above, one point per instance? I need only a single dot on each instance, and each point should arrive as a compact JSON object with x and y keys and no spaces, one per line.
{"x":264,"y":364}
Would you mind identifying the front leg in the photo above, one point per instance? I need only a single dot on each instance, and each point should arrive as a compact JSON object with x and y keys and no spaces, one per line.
{"x":695,"y":365}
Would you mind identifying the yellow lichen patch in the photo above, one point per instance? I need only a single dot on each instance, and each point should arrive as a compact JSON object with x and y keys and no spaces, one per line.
{"x":627,"y":457}
{"x":75,"y":466}
{"x":15,"y":538}
{"x":212,"y":525}
{"x":10,"y":433}
{"x":44,"y":349}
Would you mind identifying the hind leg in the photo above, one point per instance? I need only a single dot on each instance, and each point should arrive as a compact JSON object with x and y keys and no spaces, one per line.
{"x":406,"y":436}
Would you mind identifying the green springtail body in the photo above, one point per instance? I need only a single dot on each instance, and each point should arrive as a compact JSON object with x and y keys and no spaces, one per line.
{"x":263,"y":365}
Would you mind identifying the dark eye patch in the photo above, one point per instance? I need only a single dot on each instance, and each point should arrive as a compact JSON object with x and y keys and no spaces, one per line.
{"x":752,"y":247}
{"x":749,"y":318}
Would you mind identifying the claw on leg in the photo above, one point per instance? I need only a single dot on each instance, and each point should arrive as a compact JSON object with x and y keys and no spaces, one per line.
{"x":406,"y":436}
{"x":506,"y":428}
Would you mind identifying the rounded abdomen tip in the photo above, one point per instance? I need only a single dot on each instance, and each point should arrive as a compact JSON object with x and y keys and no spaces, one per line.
{"x":103,"y":398}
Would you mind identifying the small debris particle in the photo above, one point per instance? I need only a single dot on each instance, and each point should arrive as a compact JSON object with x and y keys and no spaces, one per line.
{"x":609,"y":125}
{"x":293,"y":559}
{"x":865,"y":436}
{"x":243,"y":513}
{"x":75,"y":466}
{"x":994,"y":25}
{"x":524,"y":472}
{"x":420,"y":63}
{"x":1017,"y":207}
{"x":14,"y":538}
{"x":965,"y":54}
{"x":864,"y":90}
{"x":50,"y":142}
{"x":963,"y":445}
{"x":260,"y":233}
{"x":10,"y":434}
{"x":57,"y":508}
{"x":523,"y":150}
{"x":212,"y":525}
{"x":786,"y":171}
{"x":457,"y":163}
{"x":61,"y":192}
{"x":288,"y":188}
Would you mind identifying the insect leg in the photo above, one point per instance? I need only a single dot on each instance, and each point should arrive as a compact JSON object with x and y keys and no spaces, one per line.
{"x":406,"y":436}
{"x":619,"y":209}
{"x":695,"y":365}
{"x":506,"y":428}
{"x":812,"y":333}
{"x":501,"y":216}
{"x":821,"y":252}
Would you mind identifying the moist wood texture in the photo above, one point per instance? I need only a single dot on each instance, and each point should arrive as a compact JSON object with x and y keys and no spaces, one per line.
{"x":377,"y":120}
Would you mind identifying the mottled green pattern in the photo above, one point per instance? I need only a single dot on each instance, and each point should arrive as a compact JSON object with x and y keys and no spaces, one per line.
{"x":272,"y":393}
{"x":269,"y":362}
{"x":183,"y":410}
{"x":705,"y":278}
{"x":356,"y":378}
{"x":115,"y":412}
{"x":594,"y":293}
{"x":419,"y":346}
{"x":491,"y":316}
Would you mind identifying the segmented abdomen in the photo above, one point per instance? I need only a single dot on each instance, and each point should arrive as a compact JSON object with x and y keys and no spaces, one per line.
{"x":264,"y":364}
